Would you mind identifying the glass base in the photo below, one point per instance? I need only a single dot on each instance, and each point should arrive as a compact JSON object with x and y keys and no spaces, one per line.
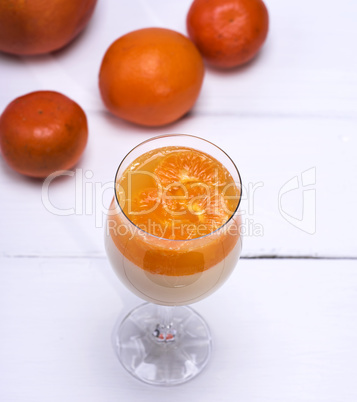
{"x":163,"y":345}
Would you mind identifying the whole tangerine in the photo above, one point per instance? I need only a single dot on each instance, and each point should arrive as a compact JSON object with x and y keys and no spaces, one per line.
{"x":42,"y":132}
{"x":151,"y":76}
{"x":38,"y":26}
{"x":228,"y":33}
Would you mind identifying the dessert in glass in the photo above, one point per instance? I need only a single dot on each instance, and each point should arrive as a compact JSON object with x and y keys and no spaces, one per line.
{"x":172,"y":237}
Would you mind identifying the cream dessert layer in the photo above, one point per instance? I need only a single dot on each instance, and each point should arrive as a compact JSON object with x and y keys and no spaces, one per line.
{"x":167,"y":289}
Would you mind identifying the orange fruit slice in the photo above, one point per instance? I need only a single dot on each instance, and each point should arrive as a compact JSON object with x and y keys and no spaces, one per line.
{"x":191,"y":216}
{"x":191,"y":166}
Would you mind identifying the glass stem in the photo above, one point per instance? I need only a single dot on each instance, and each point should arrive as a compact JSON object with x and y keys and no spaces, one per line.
{"x":165,"y":331}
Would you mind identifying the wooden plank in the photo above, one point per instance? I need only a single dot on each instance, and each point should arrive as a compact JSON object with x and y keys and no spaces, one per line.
{"x":291,"y":110}
{"x":269,"y":153}
{"x":283,"y":330}
{"x":306,"y":68}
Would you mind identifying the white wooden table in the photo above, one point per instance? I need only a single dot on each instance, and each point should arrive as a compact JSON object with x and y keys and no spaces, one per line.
{"x":285,"y":324}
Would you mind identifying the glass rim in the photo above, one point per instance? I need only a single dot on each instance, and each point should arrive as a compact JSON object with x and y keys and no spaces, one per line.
{"x":178,"y":135}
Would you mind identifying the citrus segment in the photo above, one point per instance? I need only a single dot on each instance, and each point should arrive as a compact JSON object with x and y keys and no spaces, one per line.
{"x":191,"y":166}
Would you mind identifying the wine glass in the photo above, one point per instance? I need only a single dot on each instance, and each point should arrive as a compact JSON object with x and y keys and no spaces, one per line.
{"x":163,"y":341}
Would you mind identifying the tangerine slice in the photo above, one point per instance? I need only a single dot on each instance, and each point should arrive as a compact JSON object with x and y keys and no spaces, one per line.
{"x":147,"y":213}
{"x":190,"y":166}
{"x":178,"y":216}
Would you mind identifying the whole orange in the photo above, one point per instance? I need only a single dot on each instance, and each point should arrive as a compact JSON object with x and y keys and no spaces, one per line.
{"x":42,"y":132}
{"x":228,"y":33}
{"x":37,"y":26}
{"x":151,"y":76}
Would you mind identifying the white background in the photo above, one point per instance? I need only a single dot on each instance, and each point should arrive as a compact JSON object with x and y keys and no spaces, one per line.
{"x":285,"y":329}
